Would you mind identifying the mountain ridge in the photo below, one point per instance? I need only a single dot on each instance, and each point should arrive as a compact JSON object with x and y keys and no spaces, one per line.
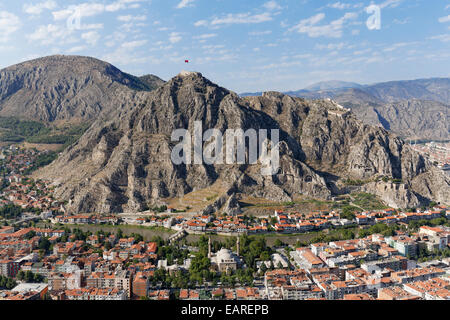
{"x":124,"y":163}
{"x":64,"y":88}
{"x":422,"y":106}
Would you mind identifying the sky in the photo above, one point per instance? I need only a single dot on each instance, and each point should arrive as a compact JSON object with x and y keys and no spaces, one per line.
{"x":245,"y":46}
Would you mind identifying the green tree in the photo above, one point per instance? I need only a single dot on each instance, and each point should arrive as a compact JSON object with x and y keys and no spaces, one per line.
{"x":278,"y":243}
{"x":44,"y":244}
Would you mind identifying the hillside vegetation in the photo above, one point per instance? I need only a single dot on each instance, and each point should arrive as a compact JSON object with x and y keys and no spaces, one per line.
{"x":16,"y":130}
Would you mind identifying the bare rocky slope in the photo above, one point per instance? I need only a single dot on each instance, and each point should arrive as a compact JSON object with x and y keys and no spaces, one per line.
{"x":123,"y":162}
{"x":413,"y":109}
{"x":66,"y":88}
{"x":413,"y":119}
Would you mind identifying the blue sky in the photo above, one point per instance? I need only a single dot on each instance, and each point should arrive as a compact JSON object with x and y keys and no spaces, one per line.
{"x":242,"y":45}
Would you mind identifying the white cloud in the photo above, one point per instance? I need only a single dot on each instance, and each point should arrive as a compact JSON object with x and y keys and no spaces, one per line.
{"x":125,"y":56}
{"x":402,"y":21}
{"x":272,"y":5}
{"x":213,"y":46}
{"x":91,"y":37}
{"x":116,"y":37}
{"x":93,"y":26}
{"x":9,"y":23}
{"x":280,"y":65}
{"x":390,"y":4}
{"x":215,"y":49}
{"x":311,"y":20}
{"x":48,"y":34}
{"x":206,"y":36}
{"x":76,"y":49}
{"x":242,"y":18}
{"x":442,"y":37}
{"x":331,"y":46}
{"x":132,"y":27}
{"x":89,"y":9}
{"x":175,"y":37}
{"x":341,"y":5}
{"x":201,"y":23}
{"x":38,"y":8}
{"x":331,"y":30}
{"x":360,"y":52}
{"x":444,"y":19}
{"x":4,"y":48}
{"x":259,"y":33}
{"x":398,"y":45}
{"x":84,"y":10}
{"x":134,"y":44}
{"x":129,"y":18}
{"x":185,"y":3}
{"x":124,"y":4}
{"x":216,"y":58}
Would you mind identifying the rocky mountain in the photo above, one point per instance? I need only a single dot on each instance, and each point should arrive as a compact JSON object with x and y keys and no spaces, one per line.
{"x":435,"y":89}
{"x":412,"y":109}
{"x":66,"y":88}
{"x":124,"y":162}
{"x":414,"y":119}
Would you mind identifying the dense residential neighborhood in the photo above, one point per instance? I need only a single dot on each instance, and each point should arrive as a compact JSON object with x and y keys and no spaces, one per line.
{"x":62,"y":264}
{"x":386,"y":254}
{"x":19,"y":193}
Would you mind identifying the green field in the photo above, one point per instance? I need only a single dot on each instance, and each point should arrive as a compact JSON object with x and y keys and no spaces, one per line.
{"x":14,"y":130}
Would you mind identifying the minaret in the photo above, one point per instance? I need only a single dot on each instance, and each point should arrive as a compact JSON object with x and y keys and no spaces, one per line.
{"x":209,"y":247}
{"x":237,"y":245}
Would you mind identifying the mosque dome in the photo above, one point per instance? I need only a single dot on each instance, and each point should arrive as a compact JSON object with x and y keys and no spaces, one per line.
{"x":224,"y":255}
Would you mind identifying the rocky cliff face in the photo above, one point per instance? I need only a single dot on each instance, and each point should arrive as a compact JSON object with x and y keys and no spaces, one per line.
{"x":124,"y":162}
{"x":414,"y":119}
{"x":415,"y":109}
{"x":67,"y":88}
{"x":333,"y":141}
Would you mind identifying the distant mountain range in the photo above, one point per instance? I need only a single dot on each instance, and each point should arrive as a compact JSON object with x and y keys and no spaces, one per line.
{"x":415,"y":109}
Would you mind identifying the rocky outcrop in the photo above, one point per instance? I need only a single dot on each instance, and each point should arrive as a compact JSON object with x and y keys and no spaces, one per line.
{"x":232,"y":206}
{"x":432,"y":184}
{"x":393,"y":194}
{"x":124,"y":162}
